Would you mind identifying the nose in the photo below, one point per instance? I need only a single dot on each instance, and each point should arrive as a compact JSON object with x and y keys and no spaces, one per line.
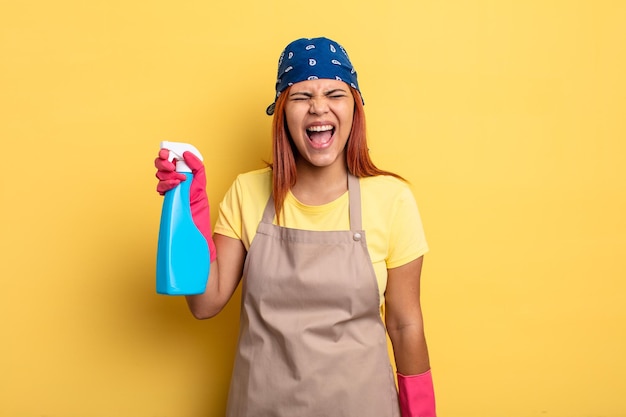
{"x":319,"y":105}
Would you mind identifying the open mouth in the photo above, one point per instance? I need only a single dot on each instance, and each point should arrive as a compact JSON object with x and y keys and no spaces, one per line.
{"x":320,"y":135}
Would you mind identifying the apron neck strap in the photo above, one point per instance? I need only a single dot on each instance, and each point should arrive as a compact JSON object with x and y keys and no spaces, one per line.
{"x":354,"y":195}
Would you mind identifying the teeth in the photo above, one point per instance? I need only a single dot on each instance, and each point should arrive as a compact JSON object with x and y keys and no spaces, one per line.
{"x":320,"y":128}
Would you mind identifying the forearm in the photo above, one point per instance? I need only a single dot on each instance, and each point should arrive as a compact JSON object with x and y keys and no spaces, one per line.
{"x":209,"y":303}
{"x":405,"y":326}
{"x":403,"y":315}
{"x":415,"y":385}
{"x":410,"y":349}
{"x":223,"y":279}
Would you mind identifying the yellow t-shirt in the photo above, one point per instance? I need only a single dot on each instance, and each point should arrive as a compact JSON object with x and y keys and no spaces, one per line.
{"x":390,"y":216}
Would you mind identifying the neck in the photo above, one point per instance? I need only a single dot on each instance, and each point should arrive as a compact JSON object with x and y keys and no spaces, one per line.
{"x":320,"y":185}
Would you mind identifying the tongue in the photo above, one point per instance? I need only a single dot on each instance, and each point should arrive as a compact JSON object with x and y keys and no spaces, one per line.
{"x":320,"y":137}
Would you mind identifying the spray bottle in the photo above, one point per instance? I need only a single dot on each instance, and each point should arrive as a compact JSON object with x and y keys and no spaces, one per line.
{"x":183,"y":259}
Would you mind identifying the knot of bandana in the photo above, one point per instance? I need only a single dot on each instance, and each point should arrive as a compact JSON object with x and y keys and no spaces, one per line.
{"x":312,"y":59}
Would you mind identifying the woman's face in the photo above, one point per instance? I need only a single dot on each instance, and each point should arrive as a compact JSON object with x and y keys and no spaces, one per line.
{"x":319,"y":118}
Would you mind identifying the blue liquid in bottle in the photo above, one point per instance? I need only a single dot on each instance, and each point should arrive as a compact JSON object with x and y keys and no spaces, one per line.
{"x":183,"y":259}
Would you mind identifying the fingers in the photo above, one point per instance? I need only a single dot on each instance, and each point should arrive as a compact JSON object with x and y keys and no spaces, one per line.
{"x":170,"y":175}
{"x":166,"y":173}
{"x":166,"y":170}
{"x":193,"y":161}
{"x":166,"y":185}
{"x":163,"y":164}
{"x":164,"y":153}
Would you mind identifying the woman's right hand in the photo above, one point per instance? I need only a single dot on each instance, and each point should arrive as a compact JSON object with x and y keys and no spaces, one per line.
{"x":166,"y":172}
{"x":198,"y":200}
{"x":232,"y":251}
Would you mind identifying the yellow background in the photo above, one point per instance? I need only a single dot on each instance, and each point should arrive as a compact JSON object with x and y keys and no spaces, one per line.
{"x":507,"y":117}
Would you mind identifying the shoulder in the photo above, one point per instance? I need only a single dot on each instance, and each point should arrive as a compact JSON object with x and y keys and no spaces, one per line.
{"x":242,"y":206}
{"x":387,"y":196}
{"x":256,"y":177}
{"x":257,"y":183}
{"x":384,"y":186}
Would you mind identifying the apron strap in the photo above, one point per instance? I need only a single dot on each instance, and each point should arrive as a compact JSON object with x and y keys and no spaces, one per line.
{"x":354,"y":192}
{"x":270,"y":211}
{"x":354,"y":195}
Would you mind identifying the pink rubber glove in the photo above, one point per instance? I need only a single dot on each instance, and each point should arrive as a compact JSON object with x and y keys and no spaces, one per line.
{"x":166,"y":172}
{"x":416,"y":395}
{"x":198,"y":200}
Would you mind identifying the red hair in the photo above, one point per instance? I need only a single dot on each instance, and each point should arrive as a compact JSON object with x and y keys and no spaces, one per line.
{"x":284,"y":173}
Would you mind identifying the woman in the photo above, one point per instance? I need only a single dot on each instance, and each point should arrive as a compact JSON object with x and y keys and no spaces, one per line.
{"x":321,"y":239}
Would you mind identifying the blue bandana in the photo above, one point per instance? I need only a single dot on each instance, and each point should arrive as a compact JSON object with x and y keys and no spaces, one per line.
{"x":312,"y":59}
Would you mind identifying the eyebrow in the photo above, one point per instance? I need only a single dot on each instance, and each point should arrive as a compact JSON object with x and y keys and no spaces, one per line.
{"x":327,"y":93}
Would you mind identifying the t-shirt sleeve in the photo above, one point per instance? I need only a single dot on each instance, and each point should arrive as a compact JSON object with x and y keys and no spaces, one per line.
{"x":407,"y":241}
{"x":229,"y":219}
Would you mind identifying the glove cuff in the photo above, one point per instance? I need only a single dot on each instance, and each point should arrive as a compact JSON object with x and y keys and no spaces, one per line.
{"x":416,"y":395}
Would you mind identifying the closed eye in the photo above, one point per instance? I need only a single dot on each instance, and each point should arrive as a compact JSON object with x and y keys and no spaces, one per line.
{"x":300,"y":96}
{"x":338,"y":93}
